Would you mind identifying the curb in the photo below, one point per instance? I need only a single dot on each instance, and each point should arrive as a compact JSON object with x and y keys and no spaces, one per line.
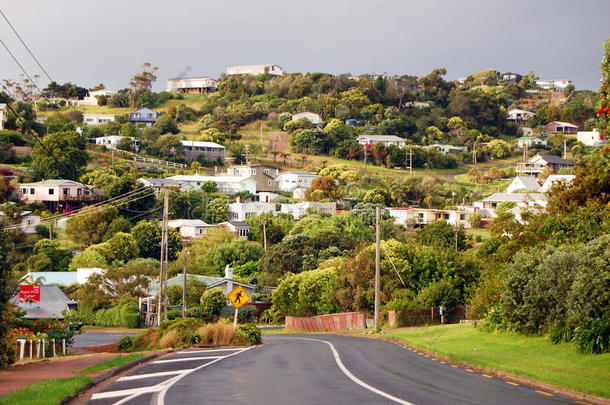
{"x":111,"y":373}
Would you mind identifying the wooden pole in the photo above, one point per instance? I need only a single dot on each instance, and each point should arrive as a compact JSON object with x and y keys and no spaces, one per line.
{"x":235,"y":317}
{"x":165,"y":219}
{"x":160,"y":300}
{"x":377,"y":266}
{"x":186,"y":252}
{"x":265,"y":235}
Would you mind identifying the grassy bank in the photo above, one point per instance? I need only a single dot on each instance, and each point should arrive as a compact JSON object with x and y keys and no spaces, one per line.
{"x":46,"y":392}
{"x":112,"y":363}
{"x":533,"y":357}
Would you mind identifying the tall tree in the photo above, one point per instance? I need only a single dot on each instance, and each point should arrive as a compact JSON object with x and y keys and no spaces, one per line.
{"x":604,"y":110}
{"x":63,"y":156}
{"x":142,"y":82}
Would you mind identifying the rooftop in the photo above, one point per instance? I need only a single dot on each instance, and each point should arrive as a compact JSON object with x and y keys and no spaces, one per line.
{"x":202,"y":144}
{"x":381,"y":137}
{"x":555,"y":160}
{"x":56,"y":182}
{"x":174,"y":223}
{"x":515,"y":197}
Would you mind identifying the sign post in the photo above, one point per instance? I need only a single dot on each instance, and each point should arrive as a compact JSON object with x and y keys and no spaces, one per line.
{"x":238,"y":297}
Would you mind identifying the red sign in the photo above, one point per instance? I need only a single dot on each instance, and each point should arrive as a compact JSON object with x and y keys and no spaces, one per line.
{"x":29,"y":293}
{"x":369,"y":145}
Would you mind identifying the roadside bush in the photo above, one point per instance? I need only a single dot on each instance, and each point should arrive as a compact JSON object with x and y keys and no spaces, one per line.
{"x":169,"y":340}
{"x":219,"y":333}
{"x":174,"y":313}
{"x":248,"y":334}
{"x":593,"y":337}
{"x":129,"y":316}
{"x":125,"y":344}
{"x":145,"y":341}
{"x":212,"y":301}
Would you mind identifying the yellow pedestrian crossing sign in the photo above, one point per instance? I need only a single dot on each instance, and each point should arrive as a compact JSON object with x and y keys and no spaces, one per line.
{"x":238,"y":297}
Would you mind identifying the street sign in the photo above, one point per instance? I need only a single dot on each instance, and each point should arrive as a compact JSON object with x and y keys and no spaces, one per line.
{"x":29,"y":293}
{"x":238,"y":297}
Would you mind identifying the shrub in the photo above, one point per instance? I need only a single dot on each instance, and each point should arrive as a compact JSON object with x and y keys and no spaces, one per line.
{"x":593,"y":337}
{"x":248,"y":334}
{"x":174,"y":313}
{"x":125,"y":344}
{"x":219,"y":333}
{"x":129,"y":316}
{"x":146,"y":341}
{"x":212,"y":301}
{"x":560,"y":333}
{"x":170,"y":339}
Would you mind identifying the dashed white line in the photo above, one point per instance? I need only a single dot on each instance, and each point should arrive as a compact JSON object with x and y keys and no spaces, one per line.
{"x":127,"y":392}
{"x":151,"y":375}
{"x":354,"y":378}
{"x":212,"y":350}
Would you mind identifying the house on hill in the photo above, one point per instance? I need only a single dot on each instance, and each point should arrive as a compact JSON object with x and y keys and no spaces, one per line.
{"x":3,"y":115}
{"x":59,"y":194}
{"x":212,"y":151}
{"x":191,"y":85}
{"x":535,"y":165}
{"x":386,"y":140}
{"x":264,"y":175}
{"x":524,"y":184}
{"x":560,"y":127}
{"x":312,"y":117}
{"x":518,"y":115}
{"x":288,"y":181}
{"x":565,"y":179}
{"x":144,"y":116}
{"x":531,"y":142}
{"x":270,"y":69}
{"x":52,"y":303}
{"x":448,"y":149}
{"x":590,"y":138}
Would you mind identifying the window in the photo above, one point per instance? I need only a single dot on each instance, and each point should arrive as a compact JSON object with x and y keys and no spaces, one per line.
{"x":32,"y":191}
{"x":266,"y":171}
{"x":462,"y":217}
{"x":24,"y":191}
{"x":51,"y":191}
{"x":253,"y":172}
{"x":66,"y":191}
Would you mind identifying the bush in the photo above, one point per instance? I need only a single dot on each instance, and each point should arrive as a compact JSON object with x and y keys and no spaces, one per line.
{"x":130,"y":317}
{"x":248,"y":334}
{"x":125,"y":344}
{"x":560,"y":333}
{"x":212,"y":301}
{"x":219,"y":333}
{"x":593,"y":337}
{"x":174,"y":313}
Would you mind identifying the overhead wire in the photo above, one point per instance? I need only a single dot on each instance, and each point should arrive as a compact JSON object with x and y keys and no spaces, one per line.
{"x":26,"y":47}
{"x":19,"y":64}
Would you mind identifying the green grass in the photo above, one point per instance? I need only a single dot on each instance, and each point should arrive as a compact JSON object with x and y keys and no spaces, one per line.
{"x":482,"y":232}
{"x":533,"y":357}
{"x":46,"y":392}
{"x":112,"y":363}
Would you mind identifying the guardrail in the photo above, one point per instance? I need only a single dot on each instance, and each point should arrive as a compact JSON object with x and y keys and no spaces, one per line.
{"x":137,"y":158}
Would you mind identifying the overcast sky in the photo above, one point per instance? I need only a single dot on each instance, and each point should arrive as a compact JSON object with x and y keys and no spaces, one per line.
{"x":88,"y":42}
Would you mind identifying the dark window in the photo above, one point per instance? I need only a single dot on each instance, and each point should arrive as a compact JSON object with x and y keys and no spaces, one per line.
{"x":51,"y":191}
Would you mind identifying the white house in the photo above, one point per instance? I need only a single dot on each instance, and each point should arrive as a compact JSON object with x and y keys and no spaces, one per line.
{"x":519,"y":115}
{"x":3,"y":115}
{"x":550,"y":181}
{"x":448,"y":149}
{"x":424,"y":216}
{"x":225,"y":184}
{"x":524,"y":184}
{"x":531,"y":142}
{"x":288,"y":181}
{"x":386,"y":140}
{"x":273,"y":70}
{"x":488,"y":205}
{"x":312,"y":117}
{"x":240,"y":211}
{"x":590,"y":138}
{"x":190,"y":228}
{"x":557,"y":84}
{"x":197,"y":85}
{"x":112,"y":142}
{"x":59,"y":194}
{"x":212,"y":151}
{"x":240,"y":229}
{"x":300,"y":209}
{"x":91,"y":99}
{"x":26,"y":221}
{"x":97,"y":119}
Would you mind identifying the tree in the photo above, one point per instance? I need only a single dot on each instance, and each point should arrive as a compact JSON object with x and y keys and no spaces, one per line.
{"x":147,"y":235}
{"x":441,"y":234}
{"x":498,"y":149}
{"x":142,"y":82}
{"x":88,"y":258}
{"x":8,"y":349}
{"x":165,"y":124}
{"x":168,"y":145}
{"x":323,"y":189}
{"x":123,"y":246}
{"x":213,"y":301}
{"x":62,"y":156}
{"x":90,"y":225}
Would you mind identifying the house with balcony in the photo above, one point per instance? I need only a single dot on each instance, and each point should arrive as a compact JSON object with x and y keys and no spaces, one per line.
{"x":213,"y":152}
{"x":288,"y":181}
{"x":144,"y":116}
{"x":226,"y":184}
{"x":191,"y":85}
{"x":239,"y":228}
{"x":419,"y":217}
{"x":386,"y":140}
{"x":560,"y":127}
{"x":60,"y":195}
{"x":26,"y":221}
{"x":517,"y":115}
{"x":535,"y":165}
{"x":264,"y":175}
{"x":97,"y":119}
{"x":112,"y":142}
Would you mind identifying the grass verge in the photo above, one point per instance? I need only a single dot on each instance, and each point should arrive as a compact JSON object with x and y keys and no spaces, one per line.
{"x":533,"y":357}
{"x":112,"y":363}
{"x":46,"y":392}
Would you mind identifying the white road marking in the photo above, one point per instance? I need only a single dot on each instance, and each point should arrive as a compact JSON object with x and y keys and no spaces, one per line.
{"x":150,"y":375}
{"x":187,"y":359}
{"x":122,"y":393}
{"x":168,"y":384}
{"x":211,"y":350}
{"x":132,"y":393}
{"x":354,"y":378}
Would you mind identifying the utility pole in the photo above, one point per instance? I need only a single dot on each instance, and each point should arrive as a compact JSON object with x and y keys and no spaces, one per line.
{"x":161,"y":272}
{"x":186,"y":252}
{"x":411,"y":161}
{"x":377,"y":265}
{"x":365,"y":154}
{"x":565,"y":149}
{"x":165,"y":256}
{"x":265,"y":235}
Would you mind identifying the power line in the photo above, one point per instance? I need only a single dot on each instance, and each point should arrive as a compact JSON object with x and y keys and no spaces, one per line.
{"x":17,"y":62}
{"x":26,"y":47}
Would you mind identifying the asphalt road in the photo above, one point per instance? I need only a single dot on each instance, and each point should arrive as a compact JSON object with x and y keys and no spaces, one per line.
{"x":102,"y":338}
{"x":313,"y":369}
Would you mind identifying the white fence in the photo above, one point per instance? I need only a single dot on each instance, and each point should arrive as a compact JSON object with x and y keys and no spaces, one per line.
{"x":27,"y":348}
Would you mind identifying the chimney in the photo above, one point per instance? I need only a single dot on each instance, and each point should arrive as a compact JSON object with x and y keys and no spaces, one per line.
{"x":228,"y":272}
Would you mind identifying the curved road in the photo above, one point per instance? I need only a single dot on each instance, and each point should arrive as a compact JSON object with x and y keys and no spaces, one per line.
{"x":317,"y":369}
